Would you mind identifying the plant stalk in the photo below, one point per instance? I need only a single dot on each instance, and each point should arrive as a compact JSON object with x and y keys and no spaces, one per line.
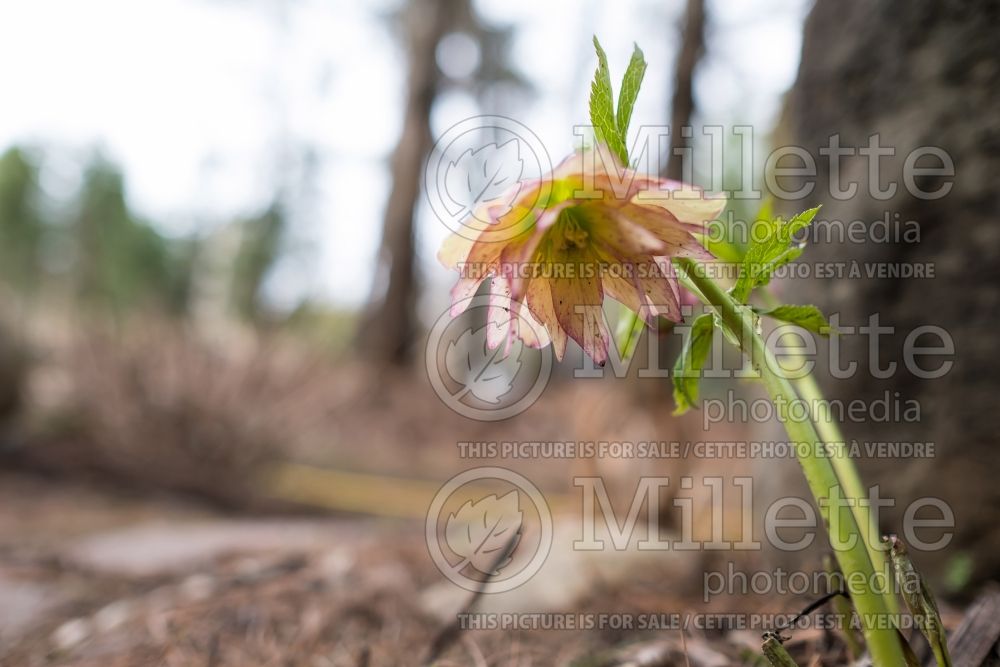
{"x":854,"y":561}
{"x":829,"y":431}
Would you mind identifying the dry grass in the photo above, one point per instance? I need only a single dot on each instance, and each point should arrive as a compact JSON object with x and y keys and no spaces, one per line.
{"x":157,"y":408}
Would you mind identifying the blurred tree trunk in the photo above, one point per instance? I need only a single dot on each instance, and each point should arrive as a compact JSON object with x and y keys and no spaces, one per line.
{"x":919,"y":73}
{"x":389,"y":325}
{"x":682,"y":106}
{"x":13,"y":375}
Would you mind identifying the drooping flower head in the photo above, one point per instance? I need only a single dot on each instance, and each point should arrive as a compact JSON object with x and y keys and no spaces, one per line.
{"x":555,"y":247}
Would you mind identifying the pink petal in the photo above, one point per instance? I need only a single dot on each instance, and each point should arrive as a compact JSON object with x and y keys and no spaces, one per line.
{"x":481,"y":261}
{"x":462,"y":293}
{"x":484,"y":234}
{"x":577,"y":304}
{"x":539,"y":301}
{"x":625,"y":238}
{"x":499,"y":320}
{"x":597,"y":172}
{"x":624,"y":292}
{"x":516,"y":256}
{"x":529,"y":329}
{"x":659,"y":296}
{"x":664,"y":226}
{"x":689,"y":204}
{"x":456,"y":247}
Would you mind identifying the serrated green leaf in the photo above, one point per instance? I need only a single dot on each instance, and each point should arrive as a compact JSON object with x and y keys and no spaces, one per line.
{"x":810,"y":318}
{"x":602,"y":106}
{"x":631,"y":83}
{"x":803,"y":219}
{"x":770,"y":249}
{"x":687,"y":369}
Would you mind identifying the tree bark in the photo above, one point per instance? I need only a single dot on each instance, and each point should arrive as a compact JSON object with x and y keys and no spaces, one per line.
{"x":918,"y":73}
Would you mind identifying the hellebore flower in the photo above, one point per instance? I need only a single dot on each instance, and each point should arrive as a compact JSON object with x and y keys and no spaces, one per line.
{"x":554,"y":247}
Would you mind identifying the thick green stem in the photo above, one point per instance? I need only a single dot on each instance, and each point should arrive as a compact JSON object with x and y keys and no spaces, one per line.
{"x":850,"y":480}
{"x":829,"y":431}
{"x":853,"y":558}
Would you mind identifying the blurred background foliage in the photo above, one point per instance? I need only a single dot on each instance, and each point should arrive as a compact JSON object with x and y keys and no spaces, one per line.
{"x":99,"y":254}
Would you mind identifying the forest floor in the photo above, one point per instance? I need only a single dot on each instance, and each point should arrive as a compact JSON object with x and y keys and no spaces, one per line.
{"x":96,"y":578}
{"x":114,"y":551}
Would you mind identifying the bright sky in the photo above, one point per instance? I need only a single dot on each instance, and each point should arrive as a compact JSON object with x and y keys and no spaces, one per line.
{"x":200,"y":101}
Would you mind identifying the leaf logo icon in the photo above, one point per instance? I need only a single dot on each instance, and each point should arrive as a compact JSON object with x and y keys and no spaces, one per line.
{"x":486,"y":373}
{"x":479,"y":531}
{"x":484,"y":175}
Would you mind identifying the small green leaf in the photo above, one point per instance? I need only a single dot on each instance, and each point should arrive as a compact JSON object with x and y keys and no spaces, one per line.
{"x":629,"y":91}
{"x":602,"y":106}
{"x":810,"y":318}
{"x":687,"y":369}
{"x":770,"y":249}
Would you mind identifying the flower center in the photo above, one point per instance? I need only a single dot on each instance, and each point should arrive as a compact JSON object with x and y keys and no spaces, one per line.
{"x":573,"y":234}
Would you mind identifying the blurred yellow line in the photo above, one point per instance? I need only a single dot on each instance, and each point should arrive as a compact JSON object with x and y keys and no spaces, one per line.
{"x":366,"y":493}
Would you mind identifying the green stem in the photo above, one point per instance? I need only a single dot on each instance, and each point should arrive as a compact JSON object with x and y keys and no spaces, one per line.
{"x":844,"y":611}
{"x":853,"y":558}
{"x":829,"y":431}
{"x":628,"y":333}
{"x":776,"y":654}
